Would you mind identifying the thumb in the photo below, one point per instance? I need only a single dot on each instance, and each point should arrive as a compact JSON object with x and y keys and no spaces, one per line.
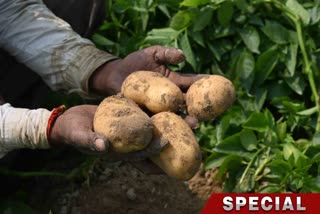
{"x":92,"y":141}
{"x":191,"y":121}
{"x":156,"y":146}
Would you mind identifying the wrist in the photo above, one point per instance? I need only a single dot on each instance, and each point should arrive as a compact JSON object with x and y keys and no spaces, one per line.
{"x":101,"y":81}
{"x":53,"y":125}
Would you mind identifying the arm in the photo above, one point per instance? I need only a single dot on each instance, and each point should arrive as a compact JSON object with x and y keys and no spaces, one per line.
{"x":65,"y":61}
{"x":42,"y":129}
{"x":22,"y":128}
{"x":47,"y":45}
{"x":34,"y":129}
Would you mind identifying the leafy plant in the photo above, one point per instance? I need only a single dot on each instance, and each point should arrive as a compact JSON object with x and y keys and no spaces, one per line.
{"x":269,"y":141}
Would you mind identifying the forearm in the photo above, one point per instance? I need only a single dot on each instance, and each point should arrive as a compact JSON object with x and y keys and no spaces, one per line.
{"x":48,"y":45}
{"x":22,"y":128}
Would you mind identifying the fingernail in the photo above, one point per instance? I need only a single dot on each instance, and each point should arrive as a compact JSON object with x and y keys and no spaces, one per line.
{"x":100,"y":145}
{"x":179,"y":50}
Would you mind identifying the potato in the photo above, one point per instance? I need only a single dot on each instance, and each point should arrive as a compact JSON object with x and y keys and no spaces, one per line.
{"x":209,"y":97}
{"x":182,"y":157}
{"x":153,"y":91}
{"x":123,"y":123}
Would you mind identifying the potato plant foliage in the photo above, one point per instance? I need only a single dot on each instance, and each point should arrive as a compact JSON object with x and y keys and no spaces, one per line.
{"x":269,"y":141}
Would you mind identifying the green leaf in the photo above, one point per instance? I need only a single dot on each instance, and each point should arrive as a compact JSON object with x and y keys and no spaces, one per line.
{"x":243,"y":5}
{"x":162,"y":36}
{"x":219,"y":48}
{"x":231,"y":162}
{"x":279,"y":168}
{"x":299,"y":158}
{"x":270,"y":188}
{"x":245,"y":69}
{"x":225,"y":13}
{"x":250,"y":37}
{"x":292,"y":58}
{"x":288,"y":150}
{"x":296,"y":83}
{"x":164,"y":10}
{"x":278,"y":88}
{"x":194,"y":3}
{"x":101,"y":40}
{"x":248,"y":140}
{"x":303,"y":163}
{"x":198,"y":38}
{"x":314,"y":15}
{"x":316,"y":139}
{"x":247,"y":183}
{"x":203,"y":19}
{"x":187,"y":50}
{"x":247,"y":102}
{"x":266,"y":62}
{"x":308,"y":112}
{"x":180,"y":20}
{"x":121,"y":6}
{"x":222,"y":127}
{"x":299,"y":10}
{"x":260,"y":97}
{"x":282,"y":130}
{"x":276,"y":32}
{"x":215,"y":160}
{"x":232,"y":145}
{"x":253,"y":102}
{"x":257,"y":122}
{"x":237,"y":115}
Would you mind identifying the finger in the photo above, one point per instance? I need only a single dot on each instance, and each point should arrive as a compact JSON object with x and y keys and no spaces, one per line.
{"x":91,"y":141}
{"x":100,"y":145}
{"x":165,"y":55}
{"x":154,"y":148}
{"x":191,"y":121}
{"x":184,"y":81}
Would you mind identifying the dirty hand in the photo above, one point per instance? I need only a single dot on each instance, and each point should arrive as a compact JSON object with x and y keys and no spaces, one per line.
{"x":75,"y":128}
{"x":108,"y":78}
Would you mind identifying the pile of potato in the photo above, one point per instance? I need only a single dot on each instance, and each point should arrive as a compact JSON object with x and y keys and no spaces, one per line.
{"x":123,"y":119}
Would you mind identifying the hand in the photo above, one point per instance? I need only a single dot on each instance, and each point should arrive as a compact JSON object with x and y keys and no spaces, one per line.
{"x":75,"y":128}
{"x":107,"y":79}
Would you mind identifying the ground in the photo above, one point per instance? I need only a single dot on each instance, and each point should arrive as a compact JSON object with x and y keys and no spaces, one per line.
{"x":124,"y":189}
{"x":116,"y":187}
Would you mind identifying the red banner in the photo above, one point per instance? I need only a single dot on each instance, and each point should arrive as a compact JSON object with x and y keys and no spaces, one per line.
{"x":262,"y":203}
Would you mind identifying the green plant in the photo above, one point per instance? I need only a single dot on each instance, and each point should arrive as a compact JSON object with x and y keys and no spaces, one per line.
{"x":269,"y":141}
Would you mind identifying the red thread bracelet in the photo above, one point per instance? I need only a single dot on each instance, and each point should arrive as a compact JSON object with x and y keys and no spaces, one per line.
{"x":53,"y":117}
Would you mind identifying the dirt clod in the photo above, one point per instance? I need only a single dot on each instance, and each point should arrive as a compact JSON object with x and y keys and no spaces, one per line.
{"x":131,"y":194}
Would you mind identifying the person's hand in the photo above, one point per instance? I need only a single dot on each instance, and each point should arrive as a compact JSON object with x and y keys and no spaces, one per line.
{"x":108,"y":78}
{"x":75,"y":128}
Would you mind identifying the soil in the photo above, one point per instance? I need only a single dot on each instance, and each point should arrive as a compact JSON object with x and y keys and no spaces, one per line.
{"x":106,"y":188}
{"x":124,"y":189}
